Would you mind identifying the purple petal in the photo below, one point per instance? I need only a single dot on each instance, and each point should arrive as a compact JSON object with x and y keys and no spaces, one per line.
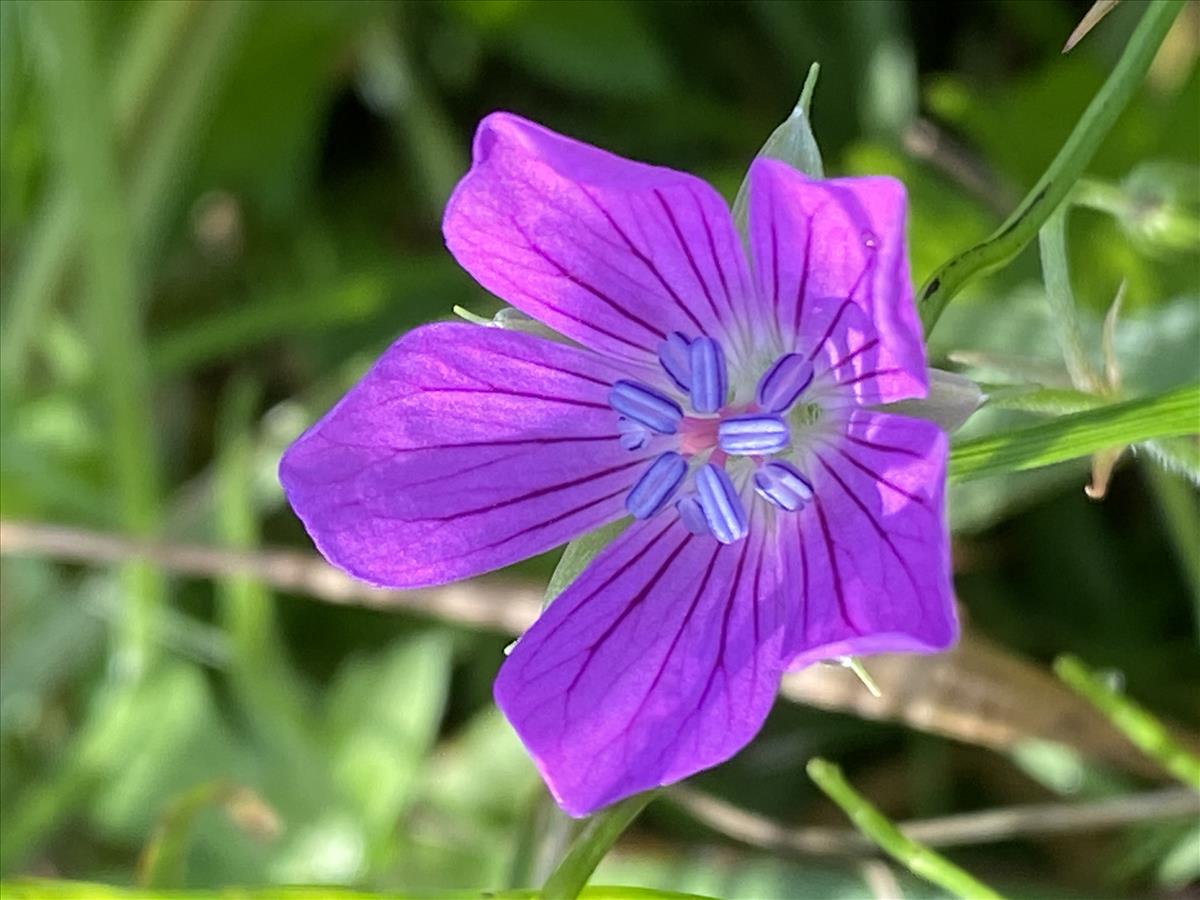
{"x":613,"y":253}
{"x":462,"y":450}
{"x":659,"y":661}
{"x":833,"y":240}
{"x":871,"y":551}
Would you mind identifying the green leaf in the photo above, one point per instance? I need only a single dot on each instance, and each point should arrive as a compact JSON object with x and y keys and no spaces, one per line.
{"x":384,"y":712}
{"x":1171,"y":414}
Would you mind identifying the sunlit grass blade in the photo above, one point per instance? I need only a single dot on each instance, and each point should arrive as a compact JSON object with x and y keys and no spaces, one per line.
{"x":1170,"y":414}
{"x":1146,"y":732}
{"x":917,"y":858}
{"x":1054,"y":185}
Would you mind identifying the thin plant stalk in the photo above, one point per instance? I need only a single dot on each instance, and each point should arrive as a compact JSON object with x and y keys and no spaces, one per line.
{"x":1060,"y":177}
{"x":1144,"y":731}
{"x":917,"y":858}
{"x":593,"y":842}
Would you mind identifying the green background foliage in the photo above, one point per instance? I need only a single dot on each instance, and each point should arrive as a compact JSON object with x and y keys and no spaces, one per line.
{"x":214,"y":215}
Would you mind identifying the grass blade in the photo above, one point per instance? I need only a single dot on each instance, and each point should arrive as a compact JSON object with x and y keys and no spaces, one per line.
{"x":1054,"y":185}
{"x":1170,"y":414}
{"x":917,"y":858}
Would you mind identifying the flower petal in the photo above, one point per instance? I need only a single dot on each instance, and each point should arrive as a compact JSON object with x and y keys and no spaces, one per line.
{"x":462,"y":450}
{"x":662,"y":659}
{"x":613,"y":253}
{"x":817,"y":241}
{"x":871,"y":552}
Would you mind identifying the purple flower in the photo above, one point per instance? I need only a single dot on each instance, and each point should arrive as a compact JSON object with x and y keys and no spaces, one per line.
{"x":727,"y":402}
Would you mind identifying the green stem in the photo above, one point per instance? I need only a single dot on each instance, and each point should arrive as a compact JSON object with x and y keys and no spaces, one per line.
{"x":917,"y":858}
{"x":1143,"y":730}
{"x":87,"y":148}
{"x":1056,"y":183}
{"x":596,"y":838}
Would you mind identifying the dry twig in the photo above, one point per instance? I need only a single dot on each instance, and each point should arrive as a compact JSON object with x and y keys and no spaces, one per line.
{"x":978,"y":693}
{"x":945,"y":831}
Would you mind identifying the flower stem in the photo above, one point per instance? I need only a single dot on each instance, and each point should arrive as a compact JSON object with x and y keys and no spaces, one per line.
{"x":1056,"y":182}
{"x":1144,"y":731}
{"x":917,"y":858}
{"x":596,"y":838}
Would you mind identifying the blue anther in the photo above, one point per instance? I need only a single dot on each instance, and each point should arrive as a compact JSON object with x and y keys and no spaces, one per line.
{"x":633,"y":434}
{"x":708,"y":375}
{"x":783,"y":383}
{"x":656,"y":486}
{"x":722,"y":507}
{"x":675,"y":356}
{"x":780,"y":483}
{"x":691,"y":514}
{"x":752,"y":435}
{"x":645,"y":405}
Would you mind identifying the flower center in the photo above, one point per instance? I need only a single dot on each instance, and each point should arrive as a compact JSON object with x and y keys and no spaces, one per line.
{"x":702,"y":441}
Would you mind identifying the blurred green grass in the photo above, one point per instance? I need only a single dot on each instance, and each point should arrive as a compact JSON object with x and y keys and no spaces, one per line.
{"x":214,"y":214}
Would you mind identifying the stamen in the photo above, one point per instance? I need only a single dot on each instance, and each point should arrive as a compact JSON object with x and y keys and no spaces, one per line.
{"x":752,"y":435}
{"x":633,"y":434}
{"x":674,"y":354}
{"x":708,"y":375}
{"x":656,"y":485}
{"x":645,"y":405}
{"x":783,"y":383}
{"x":780,"y":483}
{"x":723,"y":510}
{"x":692,"y":515}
